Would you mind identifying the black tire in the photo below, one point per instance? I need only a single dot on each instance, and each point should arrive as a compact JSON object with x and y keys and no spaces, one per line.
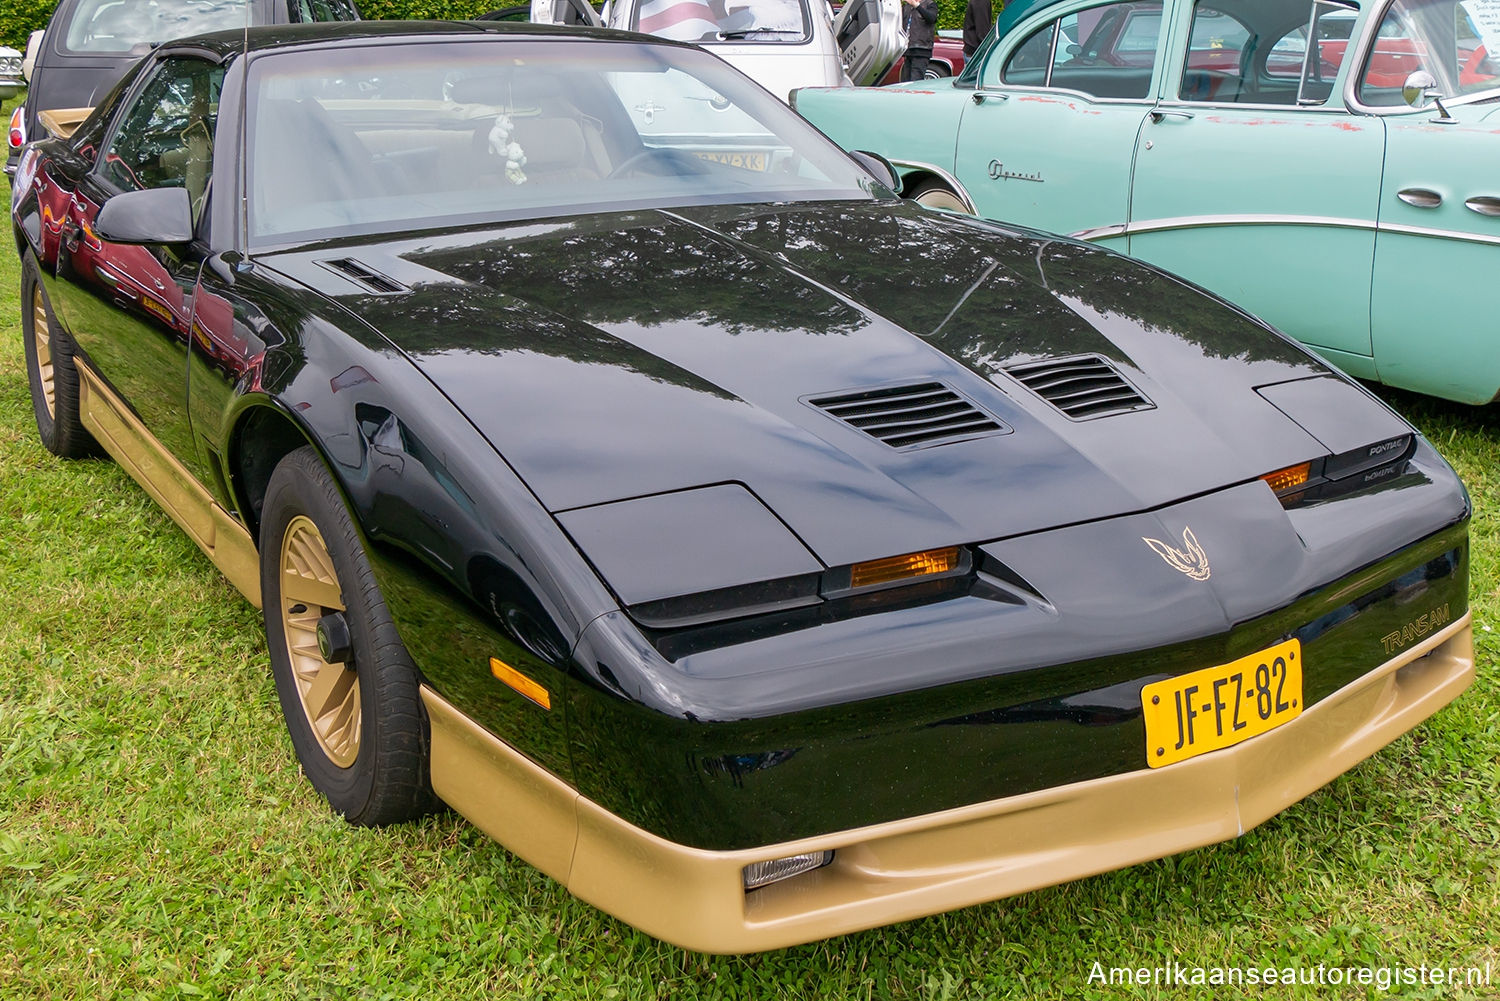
{"x":383,"y":777}
{"x":936,"y":71}
{"x":934,"y":194}
{"x":51,"y":372}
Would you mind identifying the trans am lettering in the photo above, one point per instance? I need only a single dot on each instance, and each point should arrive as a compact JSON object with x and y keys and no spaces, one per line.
{"x":1416,"y":629}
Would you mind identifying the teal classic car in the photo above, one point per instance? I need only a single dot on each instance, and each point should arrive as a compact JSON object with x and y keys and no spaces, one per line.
{"x":1329,"y":167}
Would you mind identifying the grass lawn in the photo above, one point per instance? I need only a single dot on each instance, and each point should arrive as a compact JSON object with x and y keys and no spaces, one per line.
{"x":158,"y":841}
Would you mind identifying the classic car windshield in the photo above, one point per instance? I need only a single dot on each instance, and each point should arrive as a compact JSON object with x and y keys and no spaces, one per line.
{"x":102,"y":26}
{"x":723,"y":20}
{"x":393,"y":138}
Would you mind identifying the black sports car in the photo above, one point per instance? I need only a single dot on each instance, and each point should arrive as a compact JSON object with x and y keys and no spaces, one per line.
{"x":760,"y":555}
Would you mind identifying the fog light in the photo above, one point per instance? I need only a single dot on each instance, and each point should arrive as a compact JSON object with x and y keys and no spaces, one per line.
{"x":758,"y":874}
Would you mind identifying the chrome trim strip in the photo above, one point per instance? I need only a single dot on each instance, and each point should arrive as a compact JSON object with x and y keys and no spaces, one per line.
{"x":942,"y":175}
{"x":1440,"y":234}
{"x":1100,"y":233}
{"x":1206,"y":221}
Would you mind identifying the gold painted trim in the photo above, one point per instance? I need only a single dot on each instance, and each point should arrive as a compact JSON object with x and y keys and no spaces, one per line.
{"x":227,"y":542}
{"x":63,"y":122}
{"x":929,"y":864}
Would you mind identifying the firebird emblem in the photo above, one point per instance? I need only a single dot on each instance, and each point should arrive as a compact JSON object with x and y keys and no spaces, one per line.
{"x":1192,"y":561}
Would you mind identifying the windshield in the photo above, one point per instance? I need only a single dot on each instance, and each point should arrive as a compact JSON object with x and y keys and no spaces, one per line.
{"x":135,"y":27}
{"x":713,"y":21}
{"x":393,"y":138}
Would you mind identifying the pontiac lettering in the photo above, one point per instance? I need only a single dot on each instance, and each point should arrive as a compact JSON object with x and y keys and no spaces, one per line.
{"x":1416,"y":629}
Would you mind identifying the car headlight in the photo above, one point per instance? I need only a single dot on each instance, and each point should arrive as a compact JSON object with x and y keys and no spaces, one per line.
{"x":716,"y":553}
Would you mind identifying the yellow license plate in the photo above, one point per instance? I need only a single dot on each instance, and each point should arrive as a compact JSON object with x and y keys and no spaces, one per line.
{"x":746,"y":161}
{"x":1221,"y":706}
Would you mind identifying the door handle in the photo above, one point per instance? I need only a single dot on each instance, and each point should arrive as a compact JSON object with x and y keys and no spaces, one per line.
{"x":980,"y":96}
{"x":1484,"y":204}
{"x":1159,"y":114}
{"x":1422,"y":198}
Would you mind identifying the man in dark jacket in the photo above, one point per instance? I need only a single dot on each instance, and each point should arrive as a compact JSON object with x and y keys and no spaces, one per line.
{"x":978,"y":16}
{"x":921,"y":15}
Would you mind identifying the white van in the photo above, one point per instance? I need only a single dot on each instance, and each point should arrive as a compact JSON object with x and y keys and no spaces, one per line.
{"x":780,"y":44}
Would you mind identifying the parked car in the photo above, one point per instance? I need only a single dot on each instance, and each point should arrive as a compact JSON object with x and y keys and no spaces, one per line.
{"x":1309,"y":186}
{"x":88,"y":45}
{"x":761,"y":555}
{"x":11,"y":80}
{"x":780,"y":44}
{"x":947,"y":58}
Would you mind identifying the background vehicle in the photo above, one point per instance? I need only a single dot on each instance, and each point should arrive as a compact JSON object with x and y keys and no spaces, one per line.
{"x":10,"y":72}
{"x":780,"y":44}
{"x":1297,"y":183}
{"x":947,"y":58}
{"x":88,"y":45}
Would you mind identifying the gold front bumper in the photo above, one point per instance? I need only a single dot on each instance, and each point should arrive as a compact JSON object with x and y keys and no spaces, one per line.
{"x":937,"y":862}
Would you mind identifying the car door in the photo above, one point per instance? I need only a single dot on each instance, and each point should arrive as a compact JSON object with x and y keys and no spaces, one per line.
{"x":1048,"y":137}
{"x":1258,"y":183}
{"x":1432,"y":310}
{"x":129,"y":307}
{"x":869,"y":37}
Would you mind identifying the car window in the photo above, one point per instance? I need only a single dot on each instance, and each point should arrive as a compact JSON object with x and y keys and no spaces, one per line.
{"x":1223,"y":63}
{"x":164,"y":139}
{"x":324,"y":10}
{"x":129,"y":26}
{"x":1451,"y":40}
{"x":724,"y":20}
{"x":385,"y":139}
{"x":1106,"y":51}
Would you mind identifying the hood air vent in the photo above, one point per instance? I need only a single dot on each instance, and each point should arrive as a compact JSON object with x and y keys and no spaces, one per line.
{"x":1082,"y":387}
{"x":915,"y":416}
{"x":365,"y":275}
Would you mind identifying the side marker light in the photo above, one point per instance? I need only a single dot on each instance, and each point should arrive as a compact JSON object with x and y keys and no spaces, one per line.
{"x":515,"y":679}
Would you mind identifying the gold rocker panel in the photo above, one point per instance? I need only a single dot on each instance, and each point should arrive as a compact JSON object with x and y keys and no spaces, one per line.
{"x":63,"y":122}
{"x":217,"y":533}
{"x":925,"y":865}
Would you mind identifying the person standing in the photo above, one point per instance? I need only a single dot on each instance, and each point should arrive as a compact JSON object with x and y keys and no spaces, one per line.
{"x":921,"y":15}
{"x":978,"y":16}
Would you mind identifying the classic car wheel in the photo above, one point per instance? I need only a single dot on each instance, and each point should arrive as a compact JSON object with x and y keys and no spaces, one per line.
{"x":936,"y":195}
{"x":936,"y":71}
{"x":348,"y":689}
{"x":51,"y":372}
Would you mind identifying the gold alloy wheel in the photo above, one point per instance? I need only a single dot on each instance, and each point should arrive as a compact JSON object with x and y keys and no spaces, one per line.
{"x":41,"y":335}
{"x":310,"y":590}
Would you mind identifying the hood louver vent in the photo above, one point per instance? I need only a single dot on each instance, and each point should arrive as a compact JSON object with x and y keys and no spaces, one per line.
{"x":1082,"y":387}
{"x":365,"y":275}
{"x":915,"y":416}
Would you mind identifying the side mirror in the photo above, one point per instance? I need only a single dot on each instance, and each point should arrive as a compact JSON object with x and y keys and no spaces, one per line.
{"x":1422,"y":86}
{"x":152,"y":216}
{"x":879,"y":168}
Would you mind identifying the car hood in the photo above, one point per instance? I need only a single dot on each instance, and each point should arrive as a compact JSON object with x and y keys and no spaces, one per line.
{"x":625,"y":355}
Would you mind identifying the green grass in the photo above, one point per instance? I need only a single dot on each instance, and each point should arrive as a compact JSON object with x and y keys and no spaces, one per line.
{"x":158,"y":841}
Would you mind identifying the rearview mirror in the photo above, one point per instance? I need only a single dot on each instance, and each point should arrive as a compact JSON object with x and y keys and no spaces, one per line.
{"x":155,"y":215}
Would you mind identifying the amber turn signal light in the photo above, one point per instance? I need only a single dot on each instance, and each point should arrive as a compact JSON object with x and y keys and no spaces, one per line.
{"x":515,"y":679}
{"x":893,"y":568}
{"x":1289,"y":478}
